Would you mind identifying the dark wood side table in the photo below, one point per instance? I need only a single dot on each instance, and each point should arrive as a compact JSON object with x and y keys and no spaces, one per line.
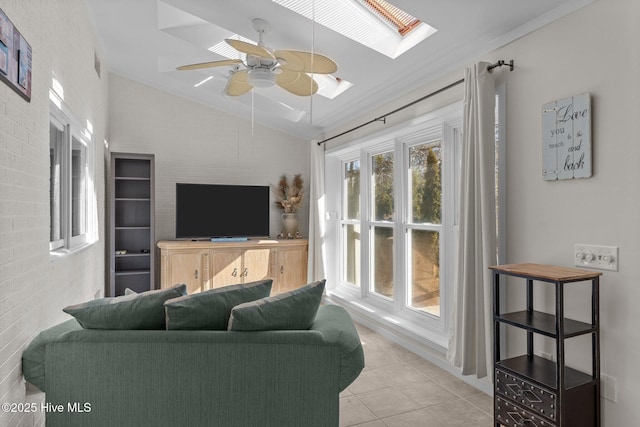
{"x":532,"y":391}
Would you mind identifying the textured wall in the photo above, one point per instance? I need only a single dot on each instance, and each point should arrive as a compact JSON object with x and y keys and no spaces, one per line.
{"x":33,"y":287}
{"x":196,"y":144}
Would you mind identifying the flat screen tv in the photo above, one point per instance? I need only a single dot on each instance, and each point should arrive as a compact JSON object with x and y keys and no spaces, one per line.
{"x":211,"y":210}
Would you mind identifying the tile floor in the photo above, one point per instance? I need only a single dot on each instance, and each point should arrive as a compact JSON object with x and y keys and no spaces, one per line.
{"x":398,"y":388}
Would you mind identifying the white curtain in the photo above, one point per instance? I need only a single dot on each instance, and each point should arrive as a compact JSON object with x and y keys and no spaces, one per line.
{"x":470,"y":342}
{"x":316,"y":214}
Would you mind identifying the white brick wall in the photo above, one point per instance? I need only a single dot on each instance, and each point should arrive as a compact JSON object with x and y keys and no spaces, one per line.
{"x":196,"y":144}
{"x":33,"y":289}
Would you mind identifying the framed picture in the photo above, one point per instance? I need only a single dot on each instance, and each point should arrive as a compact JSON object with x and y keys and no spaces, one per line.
{"x":24,"y":63}
{"x":566,"y":138}
{"x":6,"y":30}
{"x":15,"y":58}
{"x":4,"y":59}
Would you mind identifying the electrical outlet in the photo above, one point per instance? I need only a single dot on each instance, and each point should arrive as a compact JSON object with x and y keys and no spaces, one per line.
{"x":608,"y":388}
{"x":595,"y":256}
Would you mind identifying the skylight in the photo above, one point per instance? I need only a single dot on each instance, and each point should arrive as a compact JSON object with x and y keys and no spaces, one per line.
{"x":376,"y":24}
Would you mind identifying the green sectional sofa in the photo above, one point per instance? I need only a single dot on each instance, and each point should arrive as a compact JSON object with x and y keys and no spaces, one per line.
{"x":194,"y":378}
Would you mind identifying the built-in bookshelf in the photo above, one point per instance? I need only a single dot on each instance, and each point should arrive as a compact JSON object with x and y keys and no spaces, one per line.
{"x":132,"y":240}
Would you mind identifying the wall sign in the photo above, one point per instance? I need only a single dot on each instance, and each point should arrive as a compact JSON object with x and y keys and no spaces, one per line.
{"x":566,"y":138}
{"x":15,"y":58}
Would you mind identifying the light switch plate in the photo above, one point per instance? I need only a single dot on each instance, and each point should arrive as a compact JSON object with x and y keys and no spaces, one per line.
{"x":596,"y":256}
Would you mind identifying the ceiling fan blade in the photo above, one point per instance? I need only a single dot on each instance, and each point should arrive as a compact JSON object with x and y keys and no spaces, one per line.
{"x":237,"y":84}
{"x":297,"y":83}
{"x":297,"y":60}
{"x":210,"y":64}
{"x":249,"y":48}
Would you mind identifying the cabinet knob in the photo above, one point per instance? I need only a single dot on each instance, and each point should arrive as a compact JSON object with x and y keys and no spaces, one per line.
{"x":234,"y":273}
{"x":245,"y":273}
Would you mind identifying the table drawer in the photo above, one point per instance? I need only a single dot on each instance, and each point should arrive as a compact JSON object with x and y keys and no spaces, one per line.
{"x":533,"y":398}
{"x":511,"y":415}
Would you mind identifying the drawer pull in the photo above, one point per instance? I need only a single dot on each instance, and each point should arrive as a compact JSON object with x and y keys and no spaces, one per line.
{"x":234,"y":273}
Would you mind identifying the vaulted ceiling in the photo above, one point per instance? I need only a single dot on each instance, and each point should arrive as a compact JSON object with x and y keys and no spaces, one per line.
{"x":146,"y":40}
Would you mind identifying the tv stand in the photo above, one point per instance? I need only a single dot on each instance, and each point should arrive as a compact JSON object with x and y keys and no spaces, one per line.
{"x":204,"y":265}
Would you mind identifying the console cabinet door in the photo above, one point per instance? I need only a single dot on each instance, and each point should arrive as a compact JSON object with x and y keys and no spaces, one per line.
{"x":188,"y":267}
{"x":226,"y":267}
{"x":256,"y":264}
{"x":291,"y":268}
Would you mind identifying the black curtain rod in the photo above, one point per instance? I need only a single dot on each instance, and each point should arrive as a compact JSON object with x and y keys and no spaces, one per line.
{"x":383,"y":118}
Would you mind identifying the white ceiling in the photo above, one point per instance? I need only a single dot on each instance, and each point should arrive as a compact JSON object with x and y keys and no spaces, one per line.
{"x":145,"y":40}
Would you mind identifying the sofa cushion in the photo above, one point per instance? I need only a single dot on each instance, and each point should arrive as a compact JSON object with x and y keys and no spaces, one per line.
{"x":135,"y":311}
{"x":291,"y":310}
{"x":210,"y":310}
{"x":33,"y":355}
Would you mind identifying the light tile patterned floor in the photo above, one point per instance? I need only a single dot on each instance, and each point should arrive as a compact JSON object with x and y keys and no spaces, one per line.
{"x":398,"y":388}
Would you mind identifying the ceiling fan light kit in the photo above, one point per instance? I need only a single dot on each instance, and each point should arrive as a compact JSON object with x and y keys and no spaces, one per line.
{"x":261,"y":77}
{"x":265,"y":67}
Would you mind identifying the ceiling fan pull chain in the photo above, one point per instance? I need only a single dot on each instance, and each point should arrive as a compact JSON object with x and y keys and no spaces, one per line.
{"x":313,"y":46}
{"x":252,"y":111}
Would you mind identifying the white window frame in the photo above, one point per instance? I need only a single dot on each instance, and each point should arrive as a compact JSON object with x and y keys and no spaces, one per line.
{"x":58,"y":242}
{"x":445,"y":125}
{"x":62,"y":118}
{"x":435,"y":332}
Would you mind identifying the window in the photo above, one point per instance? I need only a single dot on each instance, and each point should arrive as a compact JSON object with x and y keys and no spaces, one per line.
{"x":392,"y":210}
{"x":57,"y":134}
{"x":424,"y":226}
{"x":396,"y":220}
{"x":70,"y":181}
{"x":351,"y":223}
{"x":381,"y":224}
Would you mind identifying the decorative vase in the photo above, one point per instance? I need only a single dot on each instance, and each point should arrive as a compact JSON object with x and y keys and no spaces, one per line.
{"x":290,"y":224}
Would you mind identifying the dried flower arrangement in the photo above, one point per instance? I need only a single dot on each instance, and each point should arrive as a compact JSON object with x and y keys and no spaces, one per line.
{"x":289,"y":196}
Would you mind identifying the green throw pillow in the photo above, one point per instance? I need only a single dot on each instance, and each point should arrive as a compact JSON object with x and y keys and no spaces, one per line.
{"x":136,"y":311}
{"x":210,"y":310}
{"x":290,"y":310}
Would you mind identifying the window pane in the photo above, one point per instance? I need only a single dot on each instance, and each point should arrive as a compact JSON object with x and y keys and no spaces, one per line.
{"x":56,"y":138}
{"x":426,"y":184}
{"x":78,"y":189}
{"x":425,"y":271}
{"x":382,"y":167}
{"x":352,"y":254}
{"x":352,"y":189}
{"x":383,"y":261}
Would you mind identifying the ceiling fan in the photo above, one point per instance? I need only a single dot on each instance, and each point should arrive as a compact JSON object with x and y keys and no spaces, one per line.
{"x":266,"y":67}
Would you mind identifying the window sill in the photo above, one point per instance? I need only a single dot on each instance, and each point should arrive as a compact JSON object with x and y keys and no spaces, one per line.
{"x":397,"y":324}
{"x":59,"y":254}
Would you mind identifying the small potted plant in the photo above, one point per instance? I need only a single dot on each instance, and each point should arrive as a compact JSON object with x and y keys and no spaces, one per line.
{"x":288,"y":197}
